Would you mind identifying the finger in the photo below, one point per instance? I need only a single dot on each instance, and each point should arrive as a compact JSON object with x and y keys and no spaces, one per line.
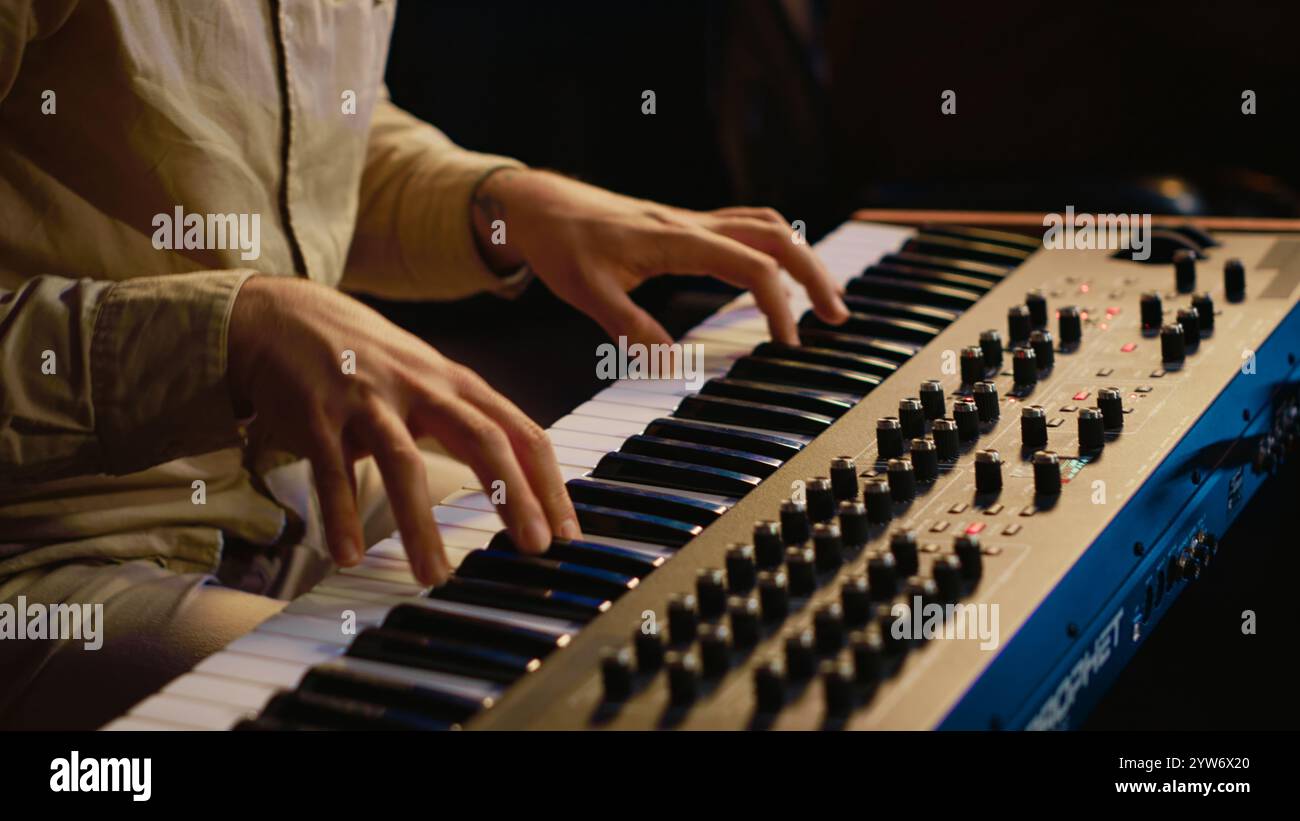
{"x":765,"y":214}
{"x":406,"y":484}
{"x":617,"y":314}
{"x":796,"y":257}
{"x":338,"y":507}
{"x":475,"y":439}
{"x":533,"y":449}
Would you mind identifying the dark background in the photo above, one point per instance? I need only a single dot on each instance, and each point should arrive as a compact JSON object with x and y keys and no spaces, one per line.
{"x":1129,"y":108}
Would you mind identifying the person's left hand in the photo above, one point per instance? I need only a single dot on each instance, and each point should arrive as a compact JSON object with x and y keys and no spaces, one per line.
{"x":591,"y":247}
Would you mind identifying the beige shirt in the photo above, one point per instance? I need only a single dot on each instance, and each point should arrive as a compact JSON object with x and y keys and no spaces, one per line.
{"x":114,"y":114}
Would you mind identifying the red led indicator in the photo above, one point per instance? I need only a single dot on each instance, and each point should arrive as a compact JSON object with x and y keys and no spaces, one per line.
{"x":1128,"y":347}
{"x":974,"y":529}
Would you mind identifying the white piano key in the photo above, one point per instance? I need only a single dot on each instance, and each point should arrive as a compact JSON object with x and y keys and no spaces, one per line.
{"x":470,"y":519}
{"x":470,"y":500}
{"x":680,"y":388}
{"x":576,"y":457}
{"x":599,"y":442}
{"x":621,"y":428}
{"x":284,"y":648}
{"x":606,"y":410}
{"x":241,"y":694}
{"x":619,"y":396}
{"x":567,"y":472}
{"x":388,"y":570}
{"x":131,"y":724}
{"x":322,"y":605}
{"x":325,"y":631}
{"x":348,"y":583}
{"x":200,"y":715}
{"x":241,"y":666}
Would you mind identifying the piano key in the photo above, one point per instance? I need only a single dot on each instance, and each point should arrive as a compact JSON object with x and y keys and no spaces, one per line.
{"x":192,"y":713}
{"x":443,"y":655}
{"x":774,"y":445}
{"x":876,"y":325}
{"x":246,"y":694}
{"x":270,"y":671}
{"x":965,"y":249}
{"x":537,"y":601}
{"x":325,"y":631}
{"x":725,"y":458}
{"x":656,"y":502}
{"x":284,"y":648}
{"x":566,"y":472}
{"x":877,"y":366}
{"x":923,"y":293}
{"x":322,"y":605}
{"x":804,"y":375}
{"x":130,"y":724}
{"x":916,"y":273}
{"x":338,"y":713}
{"x":646,"y":549}
{"x":439,"y":621}
{"x":591,"y":554}
{"x":1021,"y":242}
{"x":990,"y":273}
{"x":709,"y":498}
{"x":621,"y":428}
{"x":595,"y":520}
{"x":465,"y":686}
{"x":887,"y":349}
{"x":622,"y":396}
{"x":608,"y":410}
{"x":383,"y":569}
{"x":347,"y":583}
{"x":436,"y":702}
{"x":910,"y":311}
{"x":578,"y":458}
{"x":751,"y":414}
{"x":579,"y":439}
{"x":534,"y":571}
{"x":669,"y":473}
{"x":826,"y":403}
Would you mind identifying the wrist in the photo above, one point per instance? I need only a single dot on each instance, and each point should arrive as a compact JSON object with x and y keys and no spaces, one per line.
{"x":242,"y":349}
{"x":492,"y":205}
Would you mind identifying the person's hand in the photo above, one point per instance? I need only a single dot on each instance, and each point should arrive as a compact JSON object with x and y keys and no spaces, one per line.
{"x":591,"y":247}
{"x":287,"y":343}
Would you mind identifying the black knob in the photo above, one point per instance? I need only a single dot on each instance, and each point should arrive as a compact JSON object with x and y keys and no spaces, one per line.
{"x":774,"y":595}
{"x":882,"y":574}
{"x":1190,"y":319}
{"x":868,"y":656}
{"x":769,"y":548}
{"x":1092,"y":430}
{"x":795,"y":527}
{"x":837,"y":686}
{"x":853,"y":524}
{"x":932,"y":398}
{"x":855,"y":601}
{"x":711,"y":592}
{"x":1036,"y":302}
{"x":1184,"y":271}
{"x":801,"y":655}
{"x":1033,"y":426}
{"x":1041,"y":343}
{"x":821,"y":498}
{"x":902,"y":480}
{"x":1234,"y":280}
{"x":967,"y":417}
{"x":801,"y":569}
{"x":649,"y":651}
{"x":616,"y":672}
{"x":946,"y":439}
{"x":828,"y":628}
{"x":844,"y":478}
{"x":988,"y":471}
{"x":991,"y":345}
{"x":925,"y":460}
{"x":1151,"y":312}
{"x":742,"y":569}
{"x":1069,"y":326}
{"x":683,"y":678}
{"x":1019,"y":325}
{"x":683,"y":618}
{"x":743,"y":616}
{"x":1204,"y":305}
{"x":972,"y":365}
{"x":880,"y":507}
{"x":715,"y":649}
{"x":911,"y":417}
{"x":966,"y":548}
{"x":948,"y":580}
{"x":769,"y":687}
{"x":1173,"y":349}
{"x":1024,"y":368}
{"x":902,"y":546}
{"x":986,"y":400}
{"x":828,"y":546}
{"x":1110,"y":401}
{"x":1047,"y":473}
{"x":889,"y":437}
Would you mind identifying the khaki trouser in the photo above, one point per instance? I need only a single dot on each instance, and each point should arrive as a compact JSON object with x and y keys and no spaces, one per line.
{"x":157,"y":624}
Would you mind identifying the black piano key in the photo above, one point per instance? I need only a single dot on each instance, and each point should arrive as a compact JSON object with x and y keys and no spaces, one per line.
{"x":268,"y":724}
{"x":511,"y":638}
{"x":643,"y":500}
{"x":595,"y":520}
{"x":725,"y":458}
{"x":982,"y":270}
{"x":875,"y":325}
{"x":827,"y":403}
{"x":940,"y":317}
{"x":965,"y":249}
{"x":1023,"y":242}
{"x":828,"y":356}
{"x":916,"y":273}
{"x":592,"y":554}
{"x":803,"y":374}
{"x":443,"y":655}
{"x":924,"y":293}
{"x":339,"y":713}
{"x":538,"y":601}
{"x":437,"y":704}
{"x":897,"y":352}
{"x":751,"y":415}
{"x":708,"y":433}
{"x":649,"y":470}
{"x":535,"y":571}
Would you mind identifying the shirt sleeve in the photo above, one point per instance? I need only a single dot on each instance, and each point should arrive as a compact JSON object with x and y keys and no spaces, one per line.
{"x":114,"y":377}
{"x":414,"y":236}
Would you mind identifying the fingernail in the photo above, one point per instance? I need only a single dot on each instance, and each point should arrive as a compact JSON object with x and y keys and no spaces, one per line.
{"x":570,"y":530}
{"x":351,"y":553}
{"x":537,"y":536}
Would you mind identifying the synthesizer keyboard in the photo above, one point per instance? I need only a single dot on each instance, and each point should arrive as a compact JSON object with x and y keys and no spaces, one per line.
{"x":1032,"y":452}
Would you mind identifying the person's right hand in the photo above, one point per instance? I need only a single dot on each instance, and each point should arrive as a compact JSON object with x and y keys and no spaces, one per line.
{"x":286,"y":342}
